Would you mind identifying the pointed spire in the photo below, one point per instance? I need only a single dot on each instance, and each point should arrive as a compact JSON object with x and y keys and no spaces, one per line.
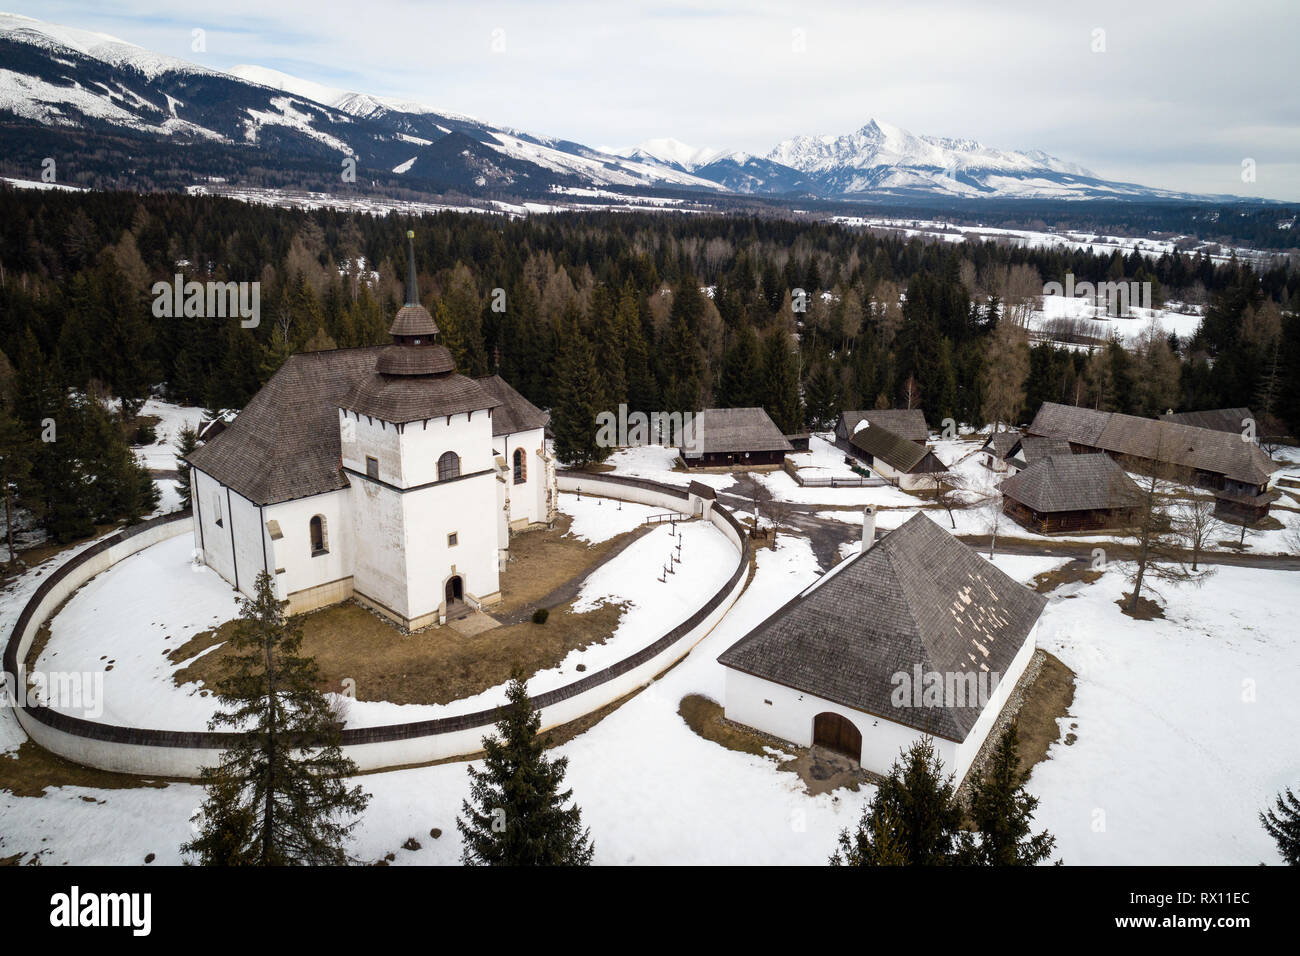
{"x":412,"y":286}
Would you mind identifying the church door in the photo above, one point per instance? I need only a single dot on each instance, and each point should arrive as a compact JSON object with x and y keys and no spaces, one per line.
{"x":455,"y":591}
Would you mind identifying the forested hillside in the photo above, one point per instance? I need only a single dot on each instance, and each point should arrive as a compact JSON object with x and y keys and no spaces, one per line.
{"x":658,"y":311}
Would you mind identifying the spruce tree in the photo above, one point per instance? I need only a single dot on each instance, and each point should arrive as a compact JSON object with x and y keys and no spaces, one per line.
{"x":518,"y":814}
{"x":573,"y":418}
{"x":280,"y":795}
{"x":913,"y":820}
{"x":781,"y":378}
{"x":15,"y":471}
{"x":1283,"y":825}
{"x":1002,"y":811}
{"x":186,"y":442}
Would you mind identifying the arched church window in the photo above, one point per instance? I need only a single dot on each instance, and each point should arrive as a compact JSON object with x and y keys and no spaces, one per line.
{"x":521,"y":466}
{"x":319,"y":543}
{"x":448,"y":466}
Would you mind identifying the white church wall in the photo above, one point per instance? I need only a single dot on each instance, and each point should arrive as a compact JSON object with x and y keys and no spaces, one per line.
{"x":379,"y":542}
{"x":361,"y":437}
{"x":528,"y":497}
{"x":467,"y":509}
{"x":469,"y":435}
{"x":304,"y":571}
{"x":232,"y":533}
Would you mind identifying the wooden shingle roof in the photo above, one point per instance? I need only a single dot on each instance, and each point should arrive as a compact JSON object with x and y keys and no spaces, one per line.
{"x":1001,"y":443}
{"x":918,"y":597}
{"x":1219,"y":419}
{"x":908,"y":422}
{"x":1032,"y":447}
{"x":895,"y":450}
{"x":285,"y":443}
{"x":1073,"y":483}
{"x":733,"y":430}
{"x":514,"y":413}
{"x":1185,"y":446}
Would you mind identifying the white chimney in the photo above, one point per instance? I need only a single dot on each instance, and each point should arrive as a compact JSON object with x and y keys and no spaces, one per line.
{"x":868,"y":527}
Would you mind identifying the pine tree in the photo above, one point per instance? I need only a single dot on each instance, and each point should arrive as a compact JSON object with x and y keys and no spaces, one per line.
{"x":573,"y":419}
{"x":280,"y":795}
{"x":913,"y":819}
{"x":518,"y":815}
{"x":781,"y":380}
{"x":186,"y":442}
{"x":1002,"y":811}
{"x":741,"y":382}
{"x":1283,"y":825}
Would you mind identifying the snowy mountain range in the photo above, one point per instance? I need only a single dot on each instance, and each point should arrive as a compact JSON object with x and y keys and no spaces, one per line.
{"x":120,"y":114}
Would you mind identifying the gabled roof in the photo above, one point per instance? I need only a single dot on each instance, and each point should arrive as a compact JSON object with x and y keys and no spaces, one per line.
{"x":514,"y":413}
{"x":907,"y":422}
{"x":1218,"y":419}
{"x":285,"y":443}
{"x":894,"y":450}
{"x":1211,"y":451}
{"x":1073,"y":483}
{"x":1032,"y":447}
{"x":733,"y":430}
{"x":1001,"y":443}
{"x":918,"y":597}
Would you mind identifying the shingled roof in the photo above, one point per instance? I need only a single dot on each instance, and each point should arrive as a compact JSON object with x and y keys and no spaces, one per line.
{"x":285,"y":443}
{"x":907,"y":422}
{"x":1030,"y":448}
{"x":918,"y":597}
{"x":514,"y":413}
{"x":1218,"y":419}
{"x":894,"y":450}
{"x":1186,"y":446}
{"x":1001,"y":443}
{"x":733,"y":430}
{"x":1073,"y":483}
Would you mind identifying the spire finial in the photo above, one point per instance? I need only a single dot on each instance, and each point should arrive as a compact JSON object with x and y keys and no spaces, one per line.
{"x":412,"y":287}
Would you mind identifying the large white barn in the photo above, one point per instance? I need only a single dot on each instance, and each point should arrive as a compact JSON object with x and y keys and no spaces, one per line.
{"x":375,"y":473}
{"x":916,"y":636}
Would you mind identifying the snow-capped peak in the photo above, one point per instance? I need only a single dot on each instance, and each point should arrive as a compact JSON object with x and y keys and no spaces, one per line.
{"x":97,"y":46}
{"x":670,"y":151}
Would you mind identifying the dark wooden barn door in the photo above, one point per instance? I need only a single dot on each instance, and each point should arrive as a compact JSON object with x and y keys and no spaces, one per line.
{"x":837,"y":733}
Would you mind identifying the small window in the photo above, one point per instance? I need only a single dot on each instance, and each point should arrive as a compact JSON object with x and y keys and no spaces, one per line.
{"x":319,"y":543}
{"x":448,"y":466}
{"x":453,"y":539}
{"x":521,"y":466}
{"x":372,"y":467}
{"x":216,"y":509}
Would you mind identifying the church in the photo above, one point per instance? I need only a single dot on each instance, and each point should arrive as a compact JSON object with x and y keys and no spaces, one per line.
{"x":378,"y":474}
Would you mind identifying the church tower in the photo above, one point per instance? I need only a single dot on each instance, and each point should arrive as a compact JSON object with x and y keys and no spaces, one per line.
{"x":416,"y":447}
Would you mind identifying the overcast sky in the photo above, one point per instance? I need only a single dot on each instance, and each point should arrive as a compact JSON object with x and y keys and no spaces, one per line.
{"x":1180,"y":95}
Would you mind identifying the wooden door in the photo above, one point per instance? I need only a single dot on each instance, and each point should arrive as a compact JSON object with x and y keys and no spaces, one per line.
{"x":837,"y":733}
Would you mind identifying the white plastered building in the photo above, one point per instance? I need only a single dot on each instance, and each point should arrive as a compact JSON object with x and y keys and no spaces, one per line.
{"x":378,"y":474}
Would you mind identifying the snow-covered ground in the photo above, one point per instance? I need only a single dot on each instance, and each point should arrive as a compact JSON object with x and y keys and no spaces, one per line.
{"x":1183,"y":725}
{"x":1091,"y":320}
{"x":123,"y":622}
{"x":1177,"y":726}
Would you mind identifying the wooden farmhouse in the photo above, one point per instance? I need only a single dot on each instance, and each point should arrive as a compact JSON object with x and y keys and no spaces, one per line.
{"x":908,"y":464}
{"x":994,"y":451}
{"x":1071,"y":493}
{"x":915,"y":636}
{"x":733,"y":438}
{"x":907,"y":422}
{"x":1236,"y":470}
{"x":1030,"y":448}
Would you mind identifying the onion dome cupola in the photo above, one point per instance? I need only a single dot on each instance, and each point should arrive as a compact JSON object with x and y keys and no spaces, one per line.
{"x":415,"y":349}
{"x":415,"y":378}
